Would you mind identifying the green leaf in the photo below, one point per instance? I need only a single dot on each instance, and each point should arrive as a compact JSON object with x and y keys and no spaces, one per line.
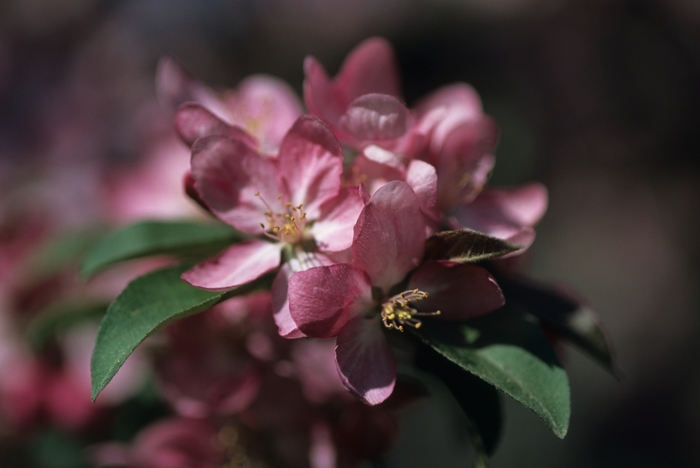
{"x":147,"y":304}
{"x":149,"y":238}
{"x":480,"y":401}
{"x":465,"y":245}
{"x":60,"y":253}
{"x":509,"y":351}
{"x":566,"y":315}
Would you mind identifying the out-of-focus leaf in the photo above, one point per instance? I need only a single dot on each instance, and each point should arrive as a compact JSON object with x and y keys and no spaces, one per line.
{"x":508,"y":350}
{"x":51,"y":322}
{"x":54,"y":449}
{"x":147,"y":238}
{"x":465,"y":245}
{"x":574,"y":321}
{"x":60,"y":252}
{"x":147,"y":304}
{"x":480,"y":401}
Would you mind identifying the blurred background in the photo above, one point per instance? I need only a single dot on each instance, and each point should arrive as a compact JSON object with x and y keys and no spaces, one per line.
{"x":597,"y":99}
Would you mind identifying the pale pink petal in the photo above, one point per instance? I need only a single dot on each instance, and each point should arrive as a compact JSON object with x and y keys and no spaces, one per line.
{"x":235,"y":183}
{"x":237,"y":265}
{"x":508,"y":214}
{"x":422,"y":178}
{"x":459,"y":95}
{"x":323,"y":299}
{"x":389,"y":235}
{"x":376,"y":117}
{"x":459,"y":291}
{"x":193,"y":121}
{"x":366,"y":363}
{"x":333,"y":231}
{"x":311,"y":164}
{"x":370,"y":68}
{"x":286,"y":326}
{"x":265,"y":106}
{"x":384,"y":157}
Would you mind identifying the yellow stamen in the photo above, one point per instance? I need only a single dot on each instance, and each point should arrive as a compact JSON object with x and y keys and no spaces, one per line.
{"x":397,"y":312}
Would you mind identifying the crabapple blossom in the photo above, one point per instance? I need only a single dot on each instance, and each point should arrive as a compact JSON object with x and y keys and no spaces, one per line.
{"x":351,"y":301}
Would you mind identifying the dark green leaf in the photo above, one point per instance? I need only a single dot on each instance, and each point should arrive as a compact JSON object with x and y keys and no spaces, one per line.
{"x":509,"y":351}
{"x":566,"y":315}
{"x":60,"y":253}
{"x":149,"y":238}
{"x":480,"y":401}
{"x":147,"y":304}
{"x":465,"y":245}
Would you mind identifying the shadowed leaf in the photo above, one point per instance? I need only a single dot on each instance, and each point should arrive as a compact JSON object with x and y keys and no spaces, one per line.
{"x":465,"y":245}
{"x":509,"y":351}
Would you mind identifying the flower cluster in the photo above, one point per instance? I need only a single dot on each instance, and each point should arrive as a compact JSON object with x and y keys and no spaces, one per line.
{"x":343,"y":202}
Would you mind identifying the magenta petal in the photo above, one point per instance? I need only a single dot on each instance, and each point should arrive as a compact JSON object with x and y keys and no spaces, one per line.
{"x":457,"y":95}
{"x":237,"y":265}
{"x":389,"y":235}
{"x":376,"y":117}
{"x":232,"y":180}
{"x":370,"y":68}
{"x":323,"y":299}
{"x":459,"y":291}
{"x":193,"y":121}
{"x":311,"y":163}
{"x":366,"y":363}
{"x":333,"y":231}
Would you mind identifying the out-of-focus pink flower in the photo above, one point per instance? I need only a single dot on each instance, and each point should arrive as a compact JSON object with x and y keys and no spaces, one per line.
{"x":169,"y":443}
{"x":262,"y":107}
{"x":293,"y":203}
{"x":351,"y":301}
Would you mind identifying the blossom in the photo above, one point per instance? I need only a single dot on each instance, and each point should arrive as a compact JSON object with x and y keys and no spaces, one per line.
{"x":351,"y":301}
{"x":293,"y":202}
{"x":261,"y":109}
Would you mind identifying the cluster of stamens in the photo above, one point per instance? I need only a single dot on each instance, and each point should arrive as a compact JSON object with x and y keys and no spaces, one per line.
{"x":397,"y":311}
{"x":284,"y":226}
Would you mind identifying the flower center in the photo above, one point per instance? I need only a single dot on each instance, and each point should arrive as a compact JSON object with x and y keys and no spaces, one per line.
{"x":284,"y":226}
{"x":397,"y":311}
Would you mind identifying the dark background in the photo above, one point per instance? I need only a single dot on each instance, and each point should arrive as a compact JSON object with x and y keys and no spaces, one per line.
{"x":598,"y":99}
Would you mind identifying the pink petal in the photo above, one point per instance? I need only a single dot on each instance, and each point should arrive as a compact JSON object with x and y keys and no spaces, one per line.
{"x":286,"y":326}
{"x":311,"y":164}
{"x":370,"y":68}
{"x":384,"y":157}
{"x":422,"y":178}
{"x":333,"y":231}
{"x":389,"y":235}
{"x":459,"y":291}
{"x":265,"y":106}
{"x":508,"y":214}
{"x":457,"y":95}
{"x":376,"y":117}
{"x":237,"y":265}
{"x":323,"y":299}
{"x":235,"y":183}
{"x":319,"y":94}
{"x":194,"y":121}
{"x":366,"y":363}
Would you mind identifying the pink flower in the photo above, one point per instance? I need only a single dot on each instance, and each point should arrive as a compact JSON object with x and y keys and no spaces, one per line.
{"x":352,"y":301}
{"x":292,"y":203}
{"x":261,"y":109}
{"x":362,"y":104}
